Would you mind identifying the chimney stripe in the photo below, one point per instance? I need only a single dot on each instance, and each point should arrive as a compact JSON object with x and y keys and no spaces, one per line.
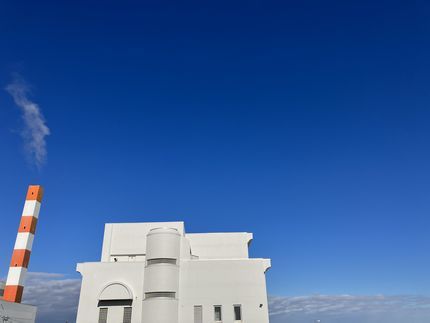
{"x":23,"y":245}
{"x":31,"y":208}
{"x":16,"y":276}
{"x":24,"y":240}
{"x":20,"y":258}
{"x":13,"y":293}
{"x":28,"y":224}
{"x":34,"y":192}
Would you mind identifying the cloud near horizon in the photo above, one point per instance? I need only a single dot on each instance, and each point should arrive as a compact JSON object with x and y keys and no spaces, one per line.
{"x":35,"y":128}
{"x":56,"y":297}
{"x":350,"y":308}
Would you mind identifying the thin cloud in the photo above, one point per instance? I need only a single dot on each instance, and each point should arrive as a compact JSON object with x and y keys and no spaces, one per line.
{"x":35,"y":129}
{"x":350,"y":308}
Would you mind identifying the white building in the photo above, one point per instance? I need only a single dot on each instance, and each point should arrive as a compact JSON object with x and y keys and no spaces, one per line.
{"x":157,"y":273}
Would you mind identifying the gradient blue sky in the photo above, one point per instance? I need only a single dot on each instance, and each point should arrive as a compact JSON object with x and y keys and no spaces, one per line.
{"x":304,"y":122}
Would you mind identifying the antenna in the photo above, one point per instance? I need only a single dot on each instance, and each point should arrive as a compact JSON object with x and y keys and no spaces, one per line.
{"x":5,"y":318}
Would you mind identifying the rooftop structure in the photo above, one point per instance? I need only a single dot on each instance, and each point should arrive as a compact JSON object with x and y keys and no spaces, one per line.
{"x":16,"y":312}
{"x":157,"y":273}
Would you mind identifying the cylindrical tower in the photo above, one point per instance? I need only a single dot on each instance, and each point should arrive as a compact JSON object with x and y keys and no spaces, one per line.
{"x":23,"y":244}
{"x":160,"y":304}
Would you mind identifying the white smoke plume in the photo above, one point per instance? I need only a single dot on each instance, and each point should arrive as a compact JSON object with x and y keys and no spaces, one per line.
{"x":35,"y":129}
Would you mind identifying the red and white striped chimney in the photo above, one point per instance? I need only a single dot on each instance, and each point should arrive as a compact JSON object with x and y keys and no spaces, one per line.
{"x":23,"y":244}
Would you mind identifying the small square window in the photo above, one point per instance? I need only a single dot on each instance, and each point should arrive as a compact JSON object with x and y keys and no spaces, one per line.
{"x":237,"y":312}
{"x":218,"y":313}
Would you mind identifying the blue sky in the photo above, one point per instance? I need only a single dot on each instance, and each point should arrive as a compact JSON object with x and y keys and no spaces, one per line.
{"x":303,"y":122}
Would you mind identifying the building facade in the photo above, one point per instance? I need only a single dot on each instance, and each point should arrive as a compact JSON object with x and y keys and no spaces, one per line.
{"x":157,"y":273}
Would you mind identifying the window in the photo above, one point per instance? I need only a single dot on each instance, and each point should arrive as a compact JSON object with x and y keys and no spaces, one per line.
{"x":103,"y":315}
{"x":161,"y":261}
{"x":198,"y":314}
{"x":160,"y":294}
{"x":116,"y":302}
{"x":217,"y":312}
{"x":127,"y":315}
{"x":237,"y":312}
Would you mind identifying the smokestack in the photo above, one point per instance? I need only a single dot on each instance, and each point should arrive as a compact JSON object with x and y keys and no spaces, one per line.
{"x":23,"y":244}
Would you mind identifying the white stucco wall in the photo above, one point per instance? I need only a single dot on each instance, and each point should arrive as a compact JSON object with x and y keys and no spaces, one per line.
{"x":225,"y":283}
{"x":124,"y":239}
{"x":230,"y":245}
{"x":98,"y":275}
